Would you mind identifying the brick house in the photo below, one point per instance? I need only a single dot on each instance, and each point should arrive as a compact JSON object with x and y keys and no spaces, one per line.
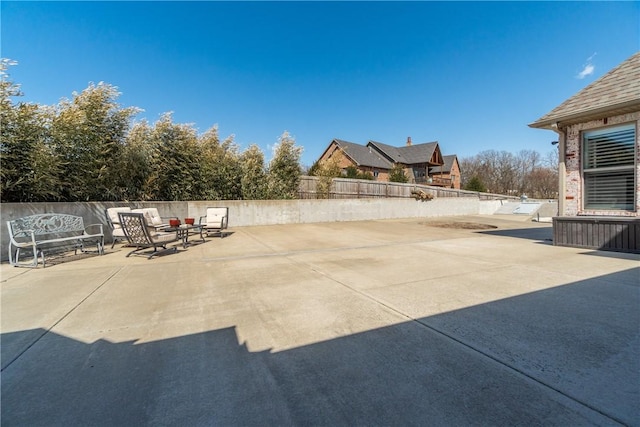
{"x":376,"y":158}
{"x":599,"y":161}
{"x":450,"y":170}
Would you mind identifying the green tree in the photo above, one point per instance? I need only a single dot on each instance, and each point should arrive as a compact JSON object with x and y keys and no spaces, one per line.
{"x":254,"y":177}
{"x":475,"y":184}
{"x":89,"y":133}
{"x":222,"y":170}
{"x":135,"y":167}
{"x":326,"y":171}
{"x":30,"y":169}
{"x":175,"y":169}
{"x":352,"y":172}
{"x":284,"y":169}
{"x":313,"y":170}
{"x":396,"y":174}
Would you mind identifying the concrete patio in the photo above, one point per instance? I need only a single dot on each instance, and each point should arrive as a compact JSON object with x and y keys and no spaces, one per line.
{"x":394,"y":322}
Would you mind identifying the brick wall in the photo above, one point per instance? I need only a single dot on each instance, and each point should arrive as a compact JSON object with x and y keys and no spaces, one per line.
{"x":455,"y":171}
{"x":574,"y":202}
{"x":344,"y":162}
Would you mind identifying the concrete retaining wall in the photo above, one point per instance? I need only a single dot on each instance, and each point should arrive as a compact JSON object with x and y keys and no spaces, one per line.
{"x":263,"y":212}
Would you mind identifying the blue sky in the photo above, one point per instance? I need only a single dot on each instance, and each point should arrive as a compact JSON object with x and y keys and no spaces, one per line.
{"x":470,"y":75}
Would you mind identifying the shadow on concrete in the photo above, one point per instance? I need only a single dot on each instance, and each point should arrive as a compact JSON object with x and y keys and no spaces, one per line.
{"x":542,"y":234}
{"x":220,"y":235}
{"x":612,"y":254}
{"x":563,"y":356}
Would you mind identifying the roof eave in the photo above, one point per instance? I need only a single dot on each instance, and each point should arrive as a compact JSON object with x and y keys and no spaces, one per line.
{"x":342,"y":150}
{"x":582,"y":116}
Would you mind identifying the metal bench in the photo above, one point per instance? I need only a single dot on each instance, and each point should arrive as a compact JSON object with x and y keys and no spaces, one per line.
{"x":41,"y":232}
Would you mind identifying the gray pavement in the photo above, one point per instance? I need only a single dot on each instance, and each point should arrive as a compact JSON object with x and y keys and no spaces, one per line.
{"x":397,"y":322}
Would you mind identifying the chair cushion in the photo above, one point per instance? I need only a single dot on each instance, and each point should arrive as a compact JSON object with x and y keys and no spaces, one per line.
{"x":151,"y":215}
{"x":215,"y":216}
{"x":164,"y":237}
{"x":113,"y":214}
{"x":155,"y":216}
{"x":117,"y":231}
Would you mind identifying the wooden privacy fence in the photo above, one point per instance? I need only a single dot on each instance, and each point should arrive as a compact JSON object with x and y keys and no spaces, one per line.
{"x":344,"y":188}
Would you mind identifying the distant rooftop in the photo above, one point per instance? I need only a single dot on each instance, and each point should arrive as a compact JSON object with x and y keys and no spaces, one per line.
{"x":363,"y":156}
{"x":446,"y":167}
{"x":409,"y":154}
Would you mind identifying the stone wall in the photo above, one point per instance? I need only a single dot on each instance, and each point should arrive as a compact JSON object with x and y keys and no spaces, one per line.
{"x":574,"y":194}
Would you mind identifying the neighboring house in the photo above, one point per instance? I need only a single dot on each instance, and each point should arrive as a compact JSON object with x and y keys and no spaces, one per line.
{"x":364,"y":158}
{"x":378,"y":159}
{"x":449,"y":170}
{"x":599,"y":161}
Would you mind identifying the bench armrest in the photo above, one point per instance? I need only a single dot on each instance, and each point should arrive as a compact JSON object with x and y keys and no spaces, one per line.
{"x":25,"y":233}
{"x":93,"y":226}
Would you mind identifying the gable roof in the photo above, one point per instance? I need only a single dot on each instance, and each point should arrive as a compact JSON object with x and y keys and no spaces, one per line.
{"x":383,"y":156}
{"x":617,"y":92}
{"x":448,"y":164}
{"x":363,"y":156}
{"x":408,"y":155}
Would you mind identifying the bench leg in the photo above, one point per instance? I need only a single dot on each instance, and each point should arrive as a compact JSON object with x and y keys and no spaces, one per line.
{"x":99,"y":246}
{"x":11,"y":261}
{"x":16,"y":262}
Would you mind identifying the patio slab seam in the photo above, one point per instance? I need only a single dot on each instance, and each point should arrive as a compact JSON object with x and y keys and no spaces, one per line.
{"x":57,"y":322}
{"x":468,"y":346}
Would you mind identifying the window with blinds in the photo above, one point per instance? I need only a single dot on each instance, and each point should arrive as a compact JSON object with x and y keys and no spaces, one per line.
{"x":608,"y":166}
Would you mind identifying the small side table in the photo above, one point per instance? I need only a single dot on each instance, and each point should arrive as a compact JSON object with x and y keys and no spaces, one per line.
{"x":185,"y":230}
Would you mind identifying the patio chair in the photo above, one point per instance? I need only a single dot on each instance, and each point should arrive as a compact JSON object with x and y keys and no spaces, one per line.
{"x":215,"y":221}
{"x":113,"y":221}
{"x":143,"y":236}
{"x":153,"y":217}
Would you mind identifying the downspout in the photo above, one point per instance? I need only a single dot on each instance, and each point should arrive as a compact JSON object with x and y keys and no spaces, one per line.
{"x":562,"y":168}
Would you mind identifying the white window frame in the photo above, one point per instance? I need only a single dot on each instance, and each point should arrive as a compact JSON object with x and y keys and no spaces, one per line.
{"x":607,"y":171}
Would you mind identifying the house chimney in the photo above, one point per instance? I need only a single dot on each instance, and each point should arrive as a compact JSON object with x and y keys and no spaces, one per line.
{"x":408,"y":141}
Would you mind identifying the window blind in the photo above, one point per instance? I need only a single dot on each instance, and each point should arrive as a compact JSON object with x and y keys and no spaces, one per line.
{"x":611,"y":190}
{"x":609,"y":168}
{"x":615,"y":148}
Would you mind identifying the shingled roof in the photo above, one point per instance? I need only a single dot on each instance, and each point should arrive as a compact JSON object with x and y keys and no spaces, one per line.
{"x":363,"y":156}
{"x":617,"y":92}
{"x":408,"y":155}
{"x":383,"y":156}
{"x":446,"y":167}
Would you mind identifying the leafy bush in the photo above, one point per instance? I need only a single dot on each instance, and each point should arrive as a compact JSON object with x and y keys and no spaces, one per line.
{"x":475,"y":184}
{"x":396,"y":174}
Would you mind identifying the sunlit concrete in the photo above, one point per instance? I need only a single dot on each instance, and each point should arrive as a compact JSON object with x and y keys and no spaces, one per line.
{"x":348,"y":323}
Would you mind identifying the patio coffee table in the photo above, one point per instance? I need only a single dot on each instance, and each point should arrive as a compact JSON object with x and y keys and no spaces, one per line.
{"x":185,"y":230}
